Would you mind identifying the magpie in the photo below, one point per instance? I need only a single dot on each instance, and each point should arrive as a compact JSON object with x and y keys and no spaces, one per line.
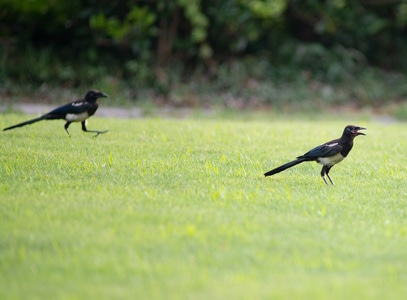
{"x":77,"y":111}
{"x":328,"y":154}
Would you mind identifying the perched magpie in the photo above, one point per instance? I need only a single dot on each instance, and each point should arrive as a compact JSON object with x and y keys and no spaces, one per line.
{"x":328,"y":154}
{"x":76,"y":111}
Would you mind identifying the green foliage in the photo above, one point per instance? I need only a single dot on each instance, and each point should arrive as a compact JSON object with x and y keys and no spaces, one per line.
{"x":402,"y":15}
{"x":28,"y":7}
{"x":147,"y":42}
{"x":140,"y":209}
{"x":330,"y":65}
{"x":266,"y":8}
{"x":45,"y":67}
{"x":199,"y":26}
{"x":197,"y":19}
{"x":401,"y":112}
{"x":137,"y":24}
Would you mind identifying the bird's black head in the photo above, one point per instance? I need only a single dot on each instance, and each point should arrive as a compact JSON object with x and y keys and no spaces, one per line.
{"x":93,"y":95}
{"x":352,"y":130}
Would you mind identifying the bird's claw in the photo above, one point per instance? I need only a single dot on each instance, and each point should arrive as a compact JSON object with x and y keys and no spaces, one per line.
{"x":99,"y":132}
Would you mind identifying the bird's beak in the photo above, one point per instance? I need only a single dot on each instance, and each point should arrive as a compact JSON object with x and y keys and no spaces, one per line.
{"x":357,"y":131}
{"x":103,"y":95}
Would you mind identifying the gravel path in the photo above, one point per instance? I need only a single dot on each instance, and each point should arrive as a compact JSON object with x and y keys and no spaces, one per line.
{"x":135,"y":112}
{"x":103,"y":111}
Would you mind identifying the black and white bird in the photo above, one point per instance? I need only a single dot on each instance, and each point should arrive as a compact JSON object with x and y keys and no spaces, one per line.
{"x":76,"y":111}
{"x":328,"y":154}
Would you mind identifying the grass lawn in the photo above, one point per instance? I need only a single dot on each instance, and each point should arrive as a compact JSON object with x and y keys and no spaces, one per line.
{"x":179,"y":209}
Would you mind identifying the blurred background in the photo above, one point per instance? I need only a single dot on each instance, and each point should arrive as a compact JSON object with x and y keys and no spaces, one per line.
{"x":241,"y":54}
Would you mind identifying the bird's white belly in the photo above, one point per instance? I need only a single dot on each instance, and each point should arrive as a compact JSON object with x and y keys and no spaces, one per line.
{"x":77,"y":117}
{"x":330,"y":161}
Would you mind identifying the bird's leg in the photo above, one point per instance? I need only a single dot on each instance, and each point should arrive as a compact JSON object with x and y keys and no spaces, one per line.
{"x":327,"y":174}
{"x":94,"y":131}
{"x":324,"y":171}
{"x":66,"y":128}
{"x":330,"y":179}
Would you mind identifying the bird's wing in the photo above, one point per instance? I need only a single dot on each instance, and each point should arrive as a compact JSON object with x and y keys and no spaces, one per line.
{"x":325,"y":150}
{"x":76,"y":107}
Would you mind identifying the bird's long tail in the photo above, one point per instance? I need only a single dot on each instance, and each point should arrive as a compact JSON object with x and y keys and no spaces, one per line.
{"x":27,"y":122}
{"x":285,"y":166}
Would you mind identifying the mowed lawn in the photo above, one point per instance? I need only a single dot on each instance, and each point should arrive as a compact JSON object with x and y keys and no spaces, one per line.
{"x":179,"y":209}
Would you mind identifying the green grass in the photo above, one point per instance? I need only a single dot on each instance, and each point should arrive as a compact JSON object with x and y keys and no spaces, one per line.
{"x":179,"y":209}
